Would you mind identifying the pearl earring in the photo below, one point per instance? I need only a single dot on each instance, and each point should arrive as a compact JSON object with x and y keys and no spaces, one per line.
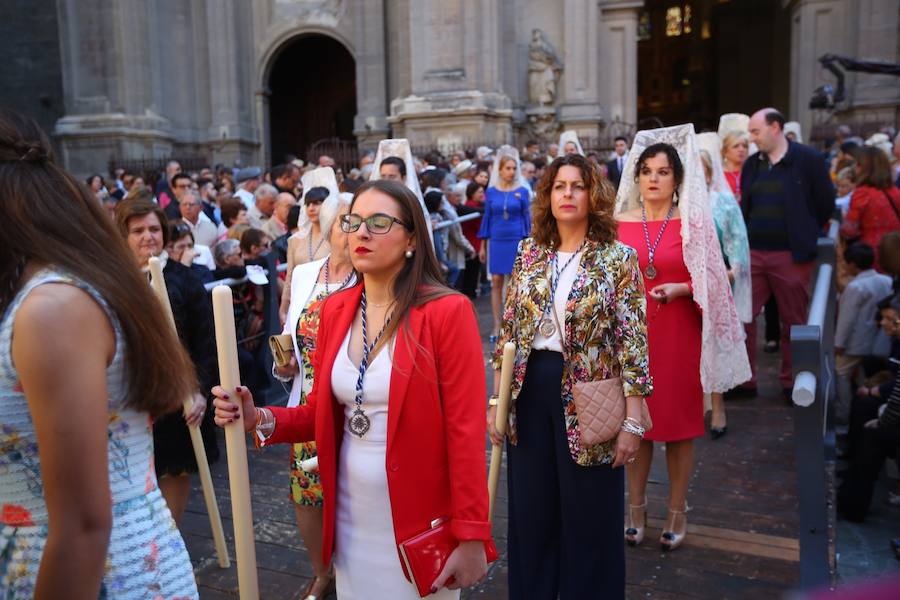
{"x":409,"y":254}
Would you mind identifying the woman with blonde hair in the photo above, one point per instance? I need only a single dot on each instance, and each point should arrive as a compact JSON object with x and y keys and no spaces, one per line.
{"x":735,"y":149}
{"x":575,"y":309}
{"x":732,"y":233}
{"x":312,"y":283}
{"x":506,"y":221}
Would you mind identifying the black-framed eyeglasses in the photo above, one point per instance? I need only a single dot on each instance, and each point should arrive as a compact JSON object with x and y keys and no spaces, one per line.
{"x":377,"y":224}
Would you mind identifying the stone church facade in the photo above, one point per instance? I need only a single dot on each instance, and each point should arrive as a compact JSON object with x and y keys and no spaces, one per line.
{"x":152,"y":79}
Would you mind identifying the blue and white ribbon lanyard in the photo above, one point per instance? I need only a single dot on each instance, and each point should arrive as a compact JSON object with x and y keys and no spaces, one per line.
{"x":359,"y":420}
{"x":547,"y":326}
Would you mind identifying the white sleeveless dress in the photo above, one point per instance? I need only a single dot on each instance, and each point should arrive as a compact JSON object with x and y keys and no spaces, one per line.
{"x":366,"y":563}
{"x":146,"y":556}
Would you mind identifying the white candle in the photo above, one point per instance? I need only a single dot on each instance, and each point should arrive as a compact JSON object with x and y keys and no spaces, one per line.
{"x":209,"y":493}
{"x":236,"y":446}
{"x":506,"y":373}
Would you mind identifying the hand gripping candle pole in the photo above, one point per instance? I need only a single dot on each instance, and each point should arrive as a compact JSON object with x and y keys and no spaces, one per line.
{"x":506,"y":373}
{"x":209,"y":493}
{"x":236,"y":446}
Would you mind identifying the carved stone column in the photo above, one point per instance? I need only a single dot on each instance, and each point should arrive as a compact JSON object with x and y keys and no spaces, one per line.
{"x":580,"y":107}
{"x":454,"y":76}
{"x":817,"y":27}
{"x":874,"y":98}
{"x":370,"y":125}
{"x":232,"y":132}
{"x":108,"y":85}
{"x":618,"y":59}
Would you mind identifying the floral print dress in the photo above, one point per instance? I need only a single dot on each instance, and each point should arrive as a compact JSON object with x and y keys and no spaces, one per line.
{"x":146,"y":557}
{"x":306,"y":489}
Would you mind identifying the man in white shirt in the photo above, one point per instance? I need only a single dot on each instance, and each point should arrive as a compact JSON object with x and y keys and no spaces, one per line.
{"x":247,"y":181}
{"x":263,"y":206}
{"x":205,"y":232}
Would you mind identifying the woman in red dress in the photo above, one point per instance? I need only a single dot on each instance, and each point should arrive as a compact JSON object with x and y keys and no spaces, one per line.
{"x":663,"y":213}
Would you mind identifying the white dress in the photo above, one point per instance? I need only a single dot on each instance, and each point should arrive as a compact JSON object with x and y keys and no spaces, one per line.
{"x":366,"y":562}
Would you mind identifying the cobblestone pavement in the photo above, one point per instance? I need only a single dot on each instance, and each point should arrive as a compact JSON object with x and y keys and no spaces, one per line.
{"x":742,"y":536}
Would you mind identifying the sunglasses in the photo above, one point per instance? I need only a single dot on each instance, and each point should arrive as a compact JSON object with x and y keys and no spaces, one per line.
{"x":377,"y":224}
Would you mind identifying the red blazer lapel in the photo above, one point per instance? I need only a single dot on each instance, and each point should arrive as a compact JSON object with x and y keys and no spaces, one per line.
{"x":404,"y":364}
{"x":330,"y":416}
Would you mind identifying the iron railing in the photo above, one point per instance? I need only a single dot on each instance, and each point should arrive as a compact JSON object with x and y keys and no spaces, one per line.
{"x":812,"y":353}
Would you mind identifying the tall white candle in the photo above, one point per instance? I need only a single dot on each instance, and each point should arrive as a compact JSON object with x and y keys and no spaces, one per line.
{"x":209,"y":493}
{"x":236,"y":446}
{"x":506,"y":372}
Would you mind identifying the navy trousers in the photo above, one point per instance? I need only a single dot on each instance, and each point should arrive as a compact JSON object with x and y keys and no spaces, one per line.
{"x":565,"y":521}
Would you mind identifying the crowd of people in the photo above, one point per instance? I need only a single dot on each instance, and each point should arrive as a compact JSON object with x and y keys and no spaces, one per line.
{"x":641,"y":272}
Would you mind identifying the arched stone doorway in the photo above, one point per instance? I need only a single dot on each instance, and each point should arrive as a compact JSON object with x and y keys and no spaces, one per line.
{"x":312,"y":95}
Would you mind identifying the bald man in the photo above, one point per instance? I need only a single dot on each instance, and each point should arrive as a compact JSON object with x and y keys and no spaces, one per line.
{"x":276,"y":226}
{"x":787,"y":198}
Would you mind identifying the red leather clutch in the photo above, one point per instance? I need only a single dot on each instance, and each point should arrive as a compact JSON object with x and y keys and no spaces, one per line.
{"x":425,"y":555}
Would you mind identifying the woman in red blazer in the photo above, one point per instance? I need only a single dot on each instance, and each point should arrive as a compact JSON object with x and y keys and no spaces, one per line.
{"x":395,"y":409}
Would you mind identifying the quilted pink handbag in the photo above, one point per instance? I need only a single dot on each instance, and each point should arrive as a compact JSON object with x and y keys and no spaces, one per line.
{"x":601,"y":409}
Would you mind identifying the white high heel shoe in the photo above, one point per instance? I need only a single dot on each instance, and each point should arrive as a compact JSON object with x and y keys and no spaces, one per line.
{"x":670,"y":540}
{"x":634,"y":535}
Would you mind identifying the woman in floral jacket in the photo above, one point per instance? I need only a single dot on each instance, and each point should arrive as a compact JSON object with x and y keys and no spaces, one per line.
{"x":575,"y":309}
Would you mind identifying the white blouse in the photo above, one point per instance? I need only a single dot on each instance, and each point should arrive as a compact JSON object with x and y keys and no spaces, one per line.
{"x":563,"y":288}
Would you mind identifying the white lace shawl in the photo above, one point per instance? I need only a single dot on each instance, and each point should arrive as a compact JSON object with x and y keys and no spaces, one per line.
{"x":723,"y":355}
{"x":564,"y":138}
{"x":506,"y":150}
{"x":399,"y":147}
{"x":727,"y":216}
{"x":320,"y":177}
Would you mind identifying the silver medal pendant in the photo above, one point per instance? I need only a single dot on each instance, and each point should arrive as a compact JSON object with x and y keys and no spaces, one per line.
{"x":505,"y":216}
{"x":547,"y":327}
{"x":359,"y":422}
{"x":650,"y":271}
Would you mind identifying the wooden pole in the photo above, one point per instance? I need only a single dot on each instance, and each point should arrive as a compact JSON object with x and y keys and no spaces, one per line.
{"x":209,"y":493}
{"x":506,"y":373}
{"x":236,"y":447}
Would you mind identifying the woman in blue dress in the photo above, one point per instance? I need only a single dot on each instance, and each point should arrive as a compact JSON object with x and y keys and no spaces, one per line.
{"x":506,"y":221}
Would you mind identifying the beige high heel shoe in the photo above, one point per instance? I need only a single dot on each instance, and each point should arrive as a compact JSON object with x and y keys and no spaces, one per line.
{"x":634,"y":535}
{"x":671,"y":540}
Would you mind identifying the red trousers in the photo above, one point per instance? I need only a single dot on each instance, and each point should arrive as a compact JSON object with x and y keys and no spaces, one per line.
{"x":776,"y":273}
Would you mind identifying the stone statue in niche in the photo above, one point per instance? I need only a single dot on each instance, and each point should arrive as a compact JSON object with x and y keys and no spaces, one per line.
{"x":544,"y":68}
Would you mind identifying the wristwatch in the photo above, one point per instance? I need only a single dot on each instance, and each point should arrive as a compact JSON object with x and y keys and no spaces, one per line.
{"x":493,"y":400}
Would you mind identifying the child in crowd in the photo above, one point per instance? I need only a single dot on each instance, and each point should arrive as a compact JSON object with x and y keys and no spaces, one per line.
{"x":856,"y":327}
{"x":433,"y":200}
{"x":874,"y":431}
{"x":845,"y":182}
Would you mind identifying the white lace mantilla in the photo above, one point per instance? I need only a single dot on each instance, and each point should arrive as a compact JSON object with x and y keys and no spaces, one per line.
{"x":723,"y":356}
{"x":400,"y":148}
{"x":722,"y":200}
{"x":320,"y":177}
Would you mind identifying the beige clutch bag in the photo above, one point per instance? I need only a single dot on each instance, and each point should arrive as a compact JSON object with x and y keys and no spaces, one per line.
{"x":601,"y":410}
{"x":282,"y":349}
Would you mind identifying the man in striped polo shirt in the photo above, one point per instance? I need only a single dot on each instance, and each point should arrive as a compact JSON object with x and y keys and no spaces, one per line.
{"x":787,"y":198}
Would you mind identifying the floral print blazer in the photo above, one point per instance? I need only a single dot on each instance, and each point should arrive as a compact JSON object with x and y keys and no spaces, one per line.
{"x":605,"y":329}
